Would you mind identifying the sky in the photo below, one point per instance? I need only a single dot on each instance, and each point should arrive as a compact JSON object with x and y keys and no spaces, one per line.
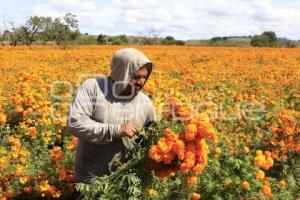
{"x":182,"y":19}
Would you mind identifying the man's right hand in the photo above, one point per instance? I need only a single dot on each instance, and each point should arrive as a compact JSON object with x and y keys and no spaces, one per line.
{"x":128,"y":130}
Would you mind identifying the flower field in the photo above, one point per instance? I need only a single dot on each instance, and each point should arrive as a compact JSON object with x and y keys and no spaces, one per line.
{"x":230,"y":122}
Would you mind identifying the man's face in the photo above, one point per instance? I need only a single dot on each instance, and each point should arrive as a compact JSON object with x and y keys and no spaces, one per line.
{"x":137,"y":81}
{"x":139,"y":78}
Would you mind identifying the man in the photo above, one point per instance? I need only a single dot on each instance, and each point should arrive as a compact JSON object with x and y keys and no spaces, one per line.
{"x":107,"y":114}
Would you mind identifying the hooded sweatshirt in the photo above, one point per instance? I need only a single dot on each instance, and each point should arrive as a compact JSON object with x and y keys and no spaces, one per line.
{"x":98,"y":111}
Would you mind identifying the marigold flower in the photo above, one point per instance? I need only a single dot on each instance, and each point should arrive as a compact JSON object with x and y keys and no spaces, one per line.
{"x":32,"y":132}
{"x":267,"y":154}
{"x":266,"y":191}
{"x":152,"y":192}
{"x":195,"y":196}
{"x":162,"y":145}
{"x":170,"y":135}
{"x":24,"y":180}
{"x":56,"y":155}
{"x":184,"y":167}
{"x":190,"y":132}
{"x":190,"y":158}
{"x":259,"y":160}
{"x":27,"y":189}
{"x":19,"y":109}
{"x":266,"y":165}
{"x":218,"y":151}
{"x":198,"y":168}
{"x":155,"y":154}
{"x":246,"y":150}
{"x":282,"y":184}
{"x":2,"y":118}
{"x":202,"y":131}
{"x":168,"y":157}
{"x":191,"y":180}
{"x":179,"y":149}
{"x":245,"y":185}
{"x":227,"y":181}
{"x":259,"y":152}
{"x":260,"y":175}
{"x":44,"y":186}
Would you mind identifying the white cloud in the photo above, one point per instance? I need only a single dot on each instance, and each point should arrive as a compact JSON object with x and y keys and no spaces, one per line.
{"x":183,"y":19}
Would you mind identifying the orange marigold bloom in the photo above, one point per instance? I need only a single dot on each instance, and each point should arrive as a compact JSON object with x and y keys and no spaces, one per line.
{"x":32,"y":132}
{"x":267,"y":154}
{"x":266,"y":165}
{"x":179,"y":149}
{"x":62,"y":173}
{"x":190,"y":132}
{"x":282,"y":184}
{"x":162,"y":145}
{"x":168,"y":157}
{"x":266,"y":190}
{"x":259,"y":152}
{"x":190,"y":158}
{"x":246,"y":150}
{"x":260,"y":175}
{"x":190,"y":147}
{"x":56,"y":155}
{"x":201,"y":146}
{"x":155,"y":154}
{"x":184,"y":167}
{"x":2,"y":118}
{"x":27,"y":189}
{"x":170,"y":135}
{"x":218,"y":151}
{"x":195,"y":196}
{"x":270,"y":160}
{"x":198,"y":168}
{"x":202,"y":131}
{"x":191,"y":180}
{"x":245,"y":185}
{"x":259,"y":160}
{"x":19,"y":109}
{"x":172,"y":100}
{"x":44,"y":186}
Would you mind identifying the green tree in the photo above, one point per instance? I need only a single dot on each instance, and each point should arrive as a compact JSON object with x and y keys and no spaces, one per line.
{"x":65,"y":29}
{"x":118,"y":40}
{"x":180,"y":42}
{"x":4,"y":36}
{"x":271,"y":35}
{"x":266,"y":39}
{"x":169,"y":40}
{"x":260,"y":41}
{"x":15,"y":36}
{"x":291,"y":44}
{"x":71,"y":22}
{"x":34,"y":25}
{"x":101,"y":39}
{"x":48,"y":33}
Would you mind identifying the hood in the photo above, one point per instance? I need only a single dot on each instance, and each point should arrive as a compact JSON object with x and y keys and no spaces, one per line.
{"x":125,"y":62}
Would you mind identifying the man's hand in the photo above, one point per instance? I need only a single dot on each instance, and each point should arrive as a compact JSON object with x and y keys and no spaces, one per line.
{"x":128,"y":130}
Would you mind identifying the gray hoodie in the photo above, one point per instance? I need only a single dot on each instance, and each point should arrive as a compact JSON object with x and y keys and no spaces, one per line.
{"x":97,"y":113}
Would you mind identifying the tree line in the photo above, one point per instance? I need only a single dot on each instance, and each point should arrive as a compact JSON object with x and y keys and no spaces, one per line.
{"x":65,"y":30}
{"x":269,"y":39}
{"x":266,"y":39}
{"x":43,"y":29}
